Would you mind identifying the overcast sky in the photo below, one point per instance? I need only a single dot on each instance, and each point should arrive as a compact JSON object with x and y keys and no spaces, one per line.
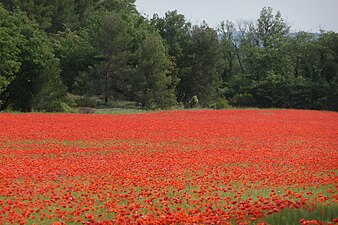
{"x":304,"y":15}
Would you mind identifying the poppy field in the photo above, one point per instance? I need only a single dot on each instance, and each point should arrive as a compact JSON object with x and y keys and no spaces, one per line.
{"x":171,"y":167}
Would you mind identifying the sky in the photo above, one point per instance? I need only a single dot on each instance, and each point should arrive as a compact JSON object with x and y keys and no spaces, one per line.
{"x":301,"y":15}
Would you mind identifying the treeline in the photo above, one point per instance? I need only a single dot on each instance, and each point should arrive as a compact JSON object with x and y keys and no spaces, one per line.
{"x":55,"y":55}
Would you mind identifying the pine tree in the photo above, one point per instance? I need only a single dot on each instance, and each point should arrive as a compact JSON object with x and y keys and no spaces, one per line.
{"x":207,"y":68}
{"x":155,"y":80}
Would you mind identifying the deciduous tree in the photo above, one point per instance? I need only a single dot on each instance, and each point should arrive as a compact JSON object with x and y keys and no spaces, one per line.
{"x":32,"y":68}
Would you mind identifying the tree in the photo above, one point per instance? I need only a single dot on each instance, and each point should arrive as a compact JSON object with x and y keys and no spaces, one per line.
{"x":175,"y":31}
{"x":57,"y":15}
{"x":155,"y":80}
{"x":207,"y":67}
{"x":107,"y":33}
{"x":231,"y":50}
{"x":76,"y":58}
{"x":51,"y":15}
{"x":38,"y":11}
{"x":34,"y":69}
{"x":263,"y":46}
{"x":299,"y":48}
{"x":271,"y":28}
{"x":118,"y":5}
{"x":324,"y":64}
{"x":329,"y":56}
{"x":9,"y":51}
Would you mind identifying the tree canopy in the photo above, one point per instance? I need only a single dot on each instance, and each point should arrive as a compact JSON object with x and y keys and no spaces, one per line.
{"x":28,"y":65}
{"x":51,"y":51}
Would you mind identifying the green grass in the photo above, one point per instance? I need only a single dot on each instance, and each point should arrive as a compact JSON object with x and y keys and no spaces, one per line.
{"x":326,"y":213}
{"x":119,"y":111}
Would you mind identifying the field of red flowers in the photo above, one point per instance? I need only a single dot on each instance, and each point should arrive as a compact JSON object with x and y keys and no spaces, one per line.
{"x":179,"y":167}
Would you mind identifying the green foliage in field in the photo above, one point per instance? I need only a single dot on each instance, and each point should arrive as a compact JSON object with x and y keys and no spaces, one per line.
{"x":324,"y":213}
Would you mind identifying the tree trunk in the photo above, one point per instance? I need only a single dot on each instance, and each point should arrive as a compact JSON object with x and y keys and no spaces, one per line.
{"x":106,"y":86}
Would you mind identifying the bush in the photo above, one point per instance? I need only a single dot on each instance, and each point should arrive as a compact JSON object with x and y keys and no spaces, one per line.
{"x":179,"y":105}
{"x":246,"y":100}
{"x":222,"y":103}
{"x":86,"y":110}
{"x":66,"y":108}
{"x":193,"y":103}
{"x":124,"y":104}
{"x":86,"y":101}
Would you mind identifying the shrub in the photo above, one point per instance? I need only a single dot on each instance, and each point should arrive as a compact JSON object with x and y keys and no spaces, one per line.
{"x":86,"y":101}
{"x":246,"y":100}
{"x":86,"y":110}
{"x":221,"y":103}
{"x":193,"y":103}
{"x":179,"y":105}
{"x":66,"y":108}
